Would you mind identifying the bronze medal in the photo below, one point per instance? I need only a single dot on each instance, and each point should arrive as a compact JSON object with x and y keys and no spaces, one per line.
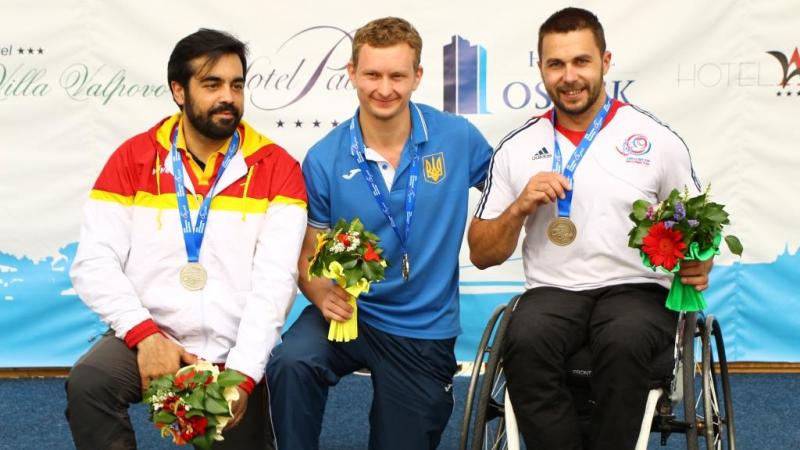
{"x":561,"y":231}
{"x":193,"y":276}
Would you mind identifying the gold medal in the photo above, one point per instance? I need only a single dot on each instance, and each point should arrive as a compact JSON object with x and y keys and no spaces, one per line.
{"x":193,"y":276}
{"x":561,"y":231}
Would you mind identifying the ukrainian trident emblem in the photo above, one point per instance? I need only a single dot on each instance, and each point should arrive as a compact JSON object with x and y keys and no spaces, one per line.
{"x":434,"y":167}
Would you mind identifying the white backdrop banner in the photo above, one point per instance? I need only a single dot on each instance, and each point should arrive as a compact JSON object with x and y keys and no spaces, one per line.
{"x":78,"y":77}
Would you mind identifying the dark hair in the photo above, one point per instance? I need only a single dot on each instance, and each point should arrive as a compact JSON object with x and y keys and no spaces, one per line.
{"x":204,"y":42}
{"x":573,"y":19}
{"x":386,"y":32}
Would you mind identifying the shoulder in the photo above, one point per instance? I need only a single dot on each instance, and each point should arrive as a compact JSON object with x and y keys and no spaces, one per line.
{"x":332,"y":144}
{"x":535,"y":130}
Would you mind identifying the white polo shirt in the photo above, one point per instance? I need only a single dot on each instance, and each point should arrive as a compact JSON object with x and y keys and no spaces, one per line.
{"x":634,"y":156}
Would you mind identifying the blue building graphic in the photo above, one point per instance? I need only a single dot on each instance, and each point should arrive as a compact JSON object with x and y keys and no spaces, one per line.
{"x":464,"y":77}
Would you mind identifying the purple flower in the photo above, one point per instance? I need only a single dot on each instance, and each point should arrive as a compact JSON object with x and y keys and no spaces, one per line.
{"x":651,"y":212}
{"x":668,"y":224}
{"x":680,"y":211}
{"x":693,"y":223}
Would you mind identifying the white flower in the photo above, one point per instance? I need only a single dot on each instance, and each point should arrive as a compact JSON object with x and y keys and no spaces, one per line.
{"x":337,"y":247}
{"x":354,"y":243}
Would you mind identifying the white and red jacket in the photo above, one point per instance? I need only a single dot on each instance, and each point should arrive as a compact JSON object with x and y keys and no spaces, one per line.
{"x":132,"y":249}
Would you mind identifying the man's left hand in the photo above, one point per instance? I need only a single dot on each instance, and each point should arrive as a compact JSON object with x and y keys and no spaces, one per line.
{"x":695,"y":273}
{"x":238,"y":408}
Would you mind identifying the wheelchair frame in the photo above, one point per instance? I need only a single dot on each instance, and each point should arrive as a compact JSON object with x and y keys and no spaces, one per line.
{"x":494,"y":424}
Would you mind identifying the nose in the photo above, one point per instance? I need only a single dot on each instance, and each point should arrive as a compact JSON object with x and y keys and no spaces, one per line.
{"x":570,"y":73}
{"x":226,"y":94}
{"x":385,"y":87}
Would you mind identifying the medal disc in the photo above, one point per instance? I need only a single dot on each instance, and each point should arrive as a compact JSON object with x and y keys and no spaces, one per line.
{"x":193,"y":276}
{"x":561,"y":231}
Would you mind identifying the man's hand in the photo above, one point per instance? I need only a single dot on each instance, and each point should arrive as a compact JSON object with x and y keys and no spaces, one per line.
{"x":542,"y":188}
{"x":238,"y":409}
{"x":157,"y":355}
{"x":695,"y":273}
{"x":334,"y":304}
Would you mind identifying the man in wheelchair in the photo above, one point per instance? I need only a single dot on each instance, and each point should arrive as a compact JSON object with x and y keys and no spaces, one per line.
{"x":569,"y":177}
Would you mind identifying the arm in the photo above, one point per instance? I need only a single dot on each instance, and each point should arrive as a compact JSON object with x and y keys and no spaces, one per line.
{"x":324,"y":294}
{"x":492,"y":241}
{"x":98,"y":277}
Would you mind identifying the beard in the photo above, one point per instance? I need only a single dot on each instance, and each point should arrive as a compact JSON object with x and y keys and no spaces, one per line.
{"x":204,"y":123}
{"x":579,"y":109}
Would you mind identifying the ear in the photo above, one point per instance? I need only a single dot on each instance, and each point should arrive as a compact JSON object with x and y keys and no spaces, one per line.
{"x":606,"y":61}
{"x":417,"y":77}
{"x":351,"y":72}
{"x":178,"y":93}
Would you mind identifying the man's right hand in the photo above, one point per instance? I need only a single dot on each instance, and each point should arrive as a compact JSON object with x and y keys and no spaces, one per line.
{"x":157,"y":355}
{"x":334,"y":304}
{"x":542,"y":188}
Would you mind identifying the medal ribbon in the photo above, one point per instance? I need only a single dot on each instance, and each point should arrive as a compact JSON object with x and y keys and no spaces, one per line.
{"x":193,"y":236}
{"x":356,"y":150}
{"x":565,"y":205}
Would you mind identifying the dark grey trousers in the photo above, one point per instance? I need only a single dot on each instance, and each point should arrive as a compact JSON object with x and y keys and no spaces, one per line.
{"x":626,"y":326}
{"x":105,"y":382}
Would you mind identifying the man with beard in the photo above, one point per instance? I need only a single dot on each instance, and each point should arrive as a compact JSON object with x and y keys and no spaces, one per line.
{"x":188,"y":251}
{"x":584,"y":285}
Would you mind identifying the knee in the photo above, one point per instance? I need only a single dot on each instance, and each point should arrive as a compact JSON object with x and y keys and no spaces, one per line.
{"x":293,"y":363}
{"x":531,"y":341}
{"x":627,"y":339}
{"x":87,"y":384}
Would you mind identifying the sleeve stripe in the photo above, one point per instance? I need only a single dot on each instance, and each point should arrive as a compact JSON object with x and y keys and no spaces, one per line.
{"x":280,"y":199}
{"x":105,"y":196}
{"x":320,"y":225}
{"x":488,"y":183}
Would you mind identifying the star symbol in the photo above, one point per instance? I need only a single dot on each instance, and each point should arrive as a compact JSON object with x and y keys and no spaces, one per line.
{"x":316,"y":124}
{"x":21,"y":51}
{"x":334,"y":124}
{"x":30,"y":51}
{"x":298,"y":124}
{"x":789,"y":94}
{"x":778,"y":93}
{"x":280,"y":123}
{"x":40,"y":51}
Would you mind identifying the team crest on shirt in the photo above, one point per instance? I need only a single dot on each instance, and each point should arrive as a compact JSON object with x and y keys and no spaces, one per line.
{"x":434,"y":168}
{"x":635,"y":149}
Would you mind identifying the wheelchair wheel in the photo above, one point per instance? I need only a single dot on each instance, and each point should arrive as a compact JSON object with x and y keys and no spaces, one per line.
{"x":692,"y":327}
{"x":481,"y":356}
{"x":718,"y":426}
{"x":489,"y":425}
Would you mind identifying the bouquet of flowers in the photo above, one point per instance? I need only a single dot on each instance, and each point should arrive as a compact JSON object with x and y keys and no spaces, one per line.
{"x":194,"y":405}
{"x":678,"y":229}
{"x":349,"y":255}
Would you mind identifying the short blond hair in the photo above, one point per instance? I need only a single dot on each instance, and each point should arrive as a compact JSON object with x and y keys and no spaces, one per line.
{"x":386,"y":32}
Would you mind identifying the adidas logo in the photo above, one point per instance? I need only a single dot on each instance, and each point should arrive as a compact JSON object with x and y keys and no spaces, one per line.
{"x":541,"y":154}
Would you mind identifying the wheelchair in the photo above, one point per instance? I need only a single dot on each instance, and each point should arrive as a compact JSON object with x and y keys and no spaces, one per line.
{"x":707,"y":421}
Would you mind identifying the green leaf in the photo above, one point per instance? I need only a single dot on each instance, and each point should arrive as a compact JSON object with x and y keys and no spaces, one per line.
{"x":216,"y":406}
{"x":356,"y":225}
{"x":350,"y":264}
{"x":368,"y":273}
{"x":734,"y":245}
{"x":194,"y":412}
{"x":341,"y":224}
{"x":372,"y":237}
{"x":215,"y":392}
{"x":196,"y":398}
{"x":164,"y":417}
{"x":640,"y":209}
{"x":638,"y":234}
{"x":352,"y":276}
{"x":230,"y":377}
{"x":203,"y":442}
{"x":715,"y":213}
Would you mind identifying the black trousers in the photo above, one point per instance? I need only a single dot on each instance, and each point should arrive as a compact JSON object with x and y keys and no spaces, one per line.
{"x":105,"y":382}
{"x":625,"y":326}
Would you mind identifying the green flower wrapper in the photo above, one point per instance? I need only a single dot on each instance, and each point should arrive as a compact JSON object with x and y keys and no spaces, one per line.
{"x":682,"y":297}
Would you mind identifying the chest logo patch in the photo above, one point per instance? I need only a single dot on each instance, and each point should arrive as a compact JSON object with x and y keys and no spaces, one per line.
{"x":635,"y":149}
{"x":434,"y":167}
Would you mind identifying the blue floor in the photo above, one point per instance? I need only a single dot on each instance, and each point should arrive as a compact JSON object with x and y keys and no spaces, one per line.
{"x":31,"y":415}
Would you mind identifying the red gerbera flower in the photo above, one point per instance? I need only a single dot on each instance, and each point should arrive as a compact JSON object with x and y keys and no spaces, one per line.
{"x":664,"y":247}
{"x":370,"y":254}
